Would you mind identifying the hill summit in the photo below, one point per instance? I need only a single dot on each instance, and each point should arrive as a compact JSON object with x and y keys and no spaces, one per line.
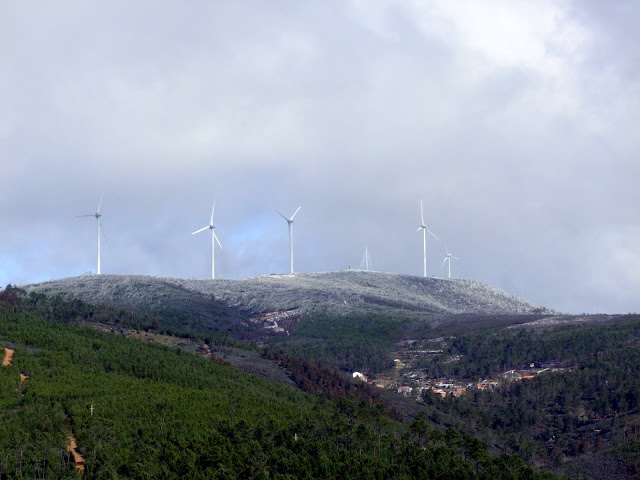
{"x":341,"y":292}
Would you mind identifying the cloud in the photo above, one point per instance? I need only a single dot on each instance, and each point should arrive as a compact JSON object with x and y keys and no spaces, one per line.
{"x":516,"y":125}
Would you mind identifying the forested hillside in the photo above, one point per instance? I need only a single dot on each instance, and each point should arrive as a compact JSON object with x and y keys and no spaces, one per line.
{"x":350,"y":319}
{"x":562,"y":394}
{"x":560,"y":391}
{"x":145,"y":411}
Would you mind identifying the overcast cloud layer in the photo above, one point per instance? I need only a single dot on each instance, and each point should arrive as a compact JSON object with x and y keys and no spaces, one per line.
{"x":516,"y":122}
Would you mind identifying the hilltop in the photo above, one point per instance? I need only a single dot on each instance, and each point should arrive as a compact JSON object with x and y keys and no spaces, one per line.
{"x":349,"y":319}
{"x":343,"y":292}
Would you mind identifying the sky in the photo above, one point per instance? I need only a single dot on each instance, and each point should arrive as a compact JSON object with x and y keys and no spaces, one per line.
{"x":516,"y":123}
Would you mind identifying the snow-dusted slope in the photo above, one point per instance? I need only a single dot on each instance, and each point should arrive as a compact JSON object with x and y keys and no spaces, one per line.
{"x":349,"y":291}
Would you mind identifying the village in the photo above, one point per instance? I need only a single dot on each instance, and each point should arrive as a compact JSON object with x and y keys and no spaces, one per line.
{"x":405,"y":379}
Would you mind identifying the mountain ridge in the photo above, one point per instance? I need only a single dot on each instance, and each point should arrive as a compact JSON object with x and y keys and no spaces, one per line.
{"x":346,"y":291}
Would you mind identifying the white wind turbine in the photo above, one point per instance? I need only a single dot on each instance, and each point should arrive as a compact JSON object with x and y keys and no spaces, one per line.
{"x":99,"y":227}
{"x":290,"y":222}
{"x":214,"y":239}
{"x":424,"y":229}
{"x":366,"y":259}
{"x":448,"y":258}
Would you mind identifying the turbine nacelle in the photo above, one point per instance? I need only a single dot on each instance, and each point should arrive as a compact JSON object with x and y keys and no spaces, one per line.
{"x":208,"y":227}
{"x":290,"y":219}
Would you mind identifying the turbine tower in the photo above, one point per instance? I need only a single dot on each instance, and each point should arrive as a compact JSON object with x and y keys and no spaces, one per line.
{"x":366,"y":259}
{"x":424,"y":229}
{"x":214,"y":239}
{"x":99,"y":227}
{"x":290,"y":222}
{"x":448,"y":258}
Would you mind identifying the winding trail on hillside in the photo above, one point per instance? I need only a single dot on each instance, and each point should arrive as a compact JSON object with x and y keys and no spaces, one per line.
{"x":73,"y":445}
{"x":72,"y":448}
{"x":7,"y":361}
{"x":77,"y":457}
{"x":8,"y":357}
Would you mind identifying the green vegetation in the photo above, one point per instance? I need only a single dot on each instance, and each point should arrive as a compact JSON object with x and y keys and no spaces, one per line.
{"x":486,"y":351}
{"x":355,"y":342}
{"x":582,"y":419}
{"x":162,"y":413}
{"x":365,"y":342}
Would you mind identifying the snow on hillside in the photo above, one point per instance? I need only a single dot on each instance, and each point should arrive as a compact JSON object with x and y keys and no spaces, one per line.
{"x":348,"y":291}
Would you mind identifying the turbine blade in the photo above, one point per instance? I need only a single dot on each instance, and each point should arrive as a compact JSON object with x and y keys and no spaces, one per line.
{"x":216,"y":237}
{"x":88,"y":215}
{"x":282,"y":216}
{"x":294,"y":213}
{"x":198,"y":231}
{"x":443,"y":262}
{"x":102,"y":230}
{"x":212,"y":210}
{"x":100,"y":204}
{"x":419,"y":228}
{"x":432,"y":234}
{"x":421,"y":213}
{"x":455,"y":257}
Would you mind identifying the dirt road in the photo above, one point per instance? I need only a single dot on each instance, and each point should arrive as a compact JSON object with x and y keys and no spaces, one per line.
{"x":8,"y":357}
{"x":77,"y":458}
{"x":73,"y":446}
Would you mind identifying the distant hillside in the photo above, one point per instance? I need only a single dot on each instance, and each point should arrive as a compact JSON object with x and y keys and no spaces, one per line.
{"x":343,"y":292}
{"x":357,"y":291}
{"x":560,"y":391}
{"x":178,"y":309}
{"x":348,"y":319}
{"x":135,"y":410}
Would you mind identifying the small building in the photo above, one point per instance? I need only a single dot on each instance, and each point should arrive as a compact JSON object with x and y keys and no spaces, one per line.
{"x":383,"y":382}
{"x":406,"y":391}
{"x":485,"y":384}
{"x":511,"y":376}
{"x":458,"y":391}
{"x":444,"y":385}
